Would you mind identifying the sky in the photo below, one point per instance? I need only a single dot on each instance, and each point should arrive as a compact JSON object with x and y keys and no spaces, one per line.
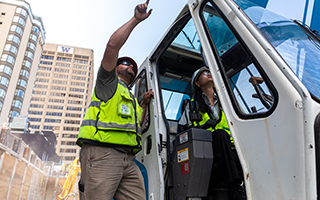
{"x":89,"y":24}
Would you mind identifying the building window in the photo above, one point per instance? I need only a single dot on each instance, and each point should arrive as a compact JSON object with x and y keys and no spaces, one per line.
{"x":29,"y":54}
{"x":5,"y":69}
{"x":66,"y":128}
{"x":26,"y":63}
{"x":14,"y":39}
{"x":76,"y":90}
{"x":9,"y":47}
{"x":48,"y":127}
{"x":31,"y":45}
{"x":41,"y":86}
{"x":54,"y":114}
{"x":46,"y":63}
{"x":68,"y":151}
{"x":78,"y":78}
{"x":22,"y":12}
{"x":78,"y":84}
{"x":19,"y":93}
{"x":61,"y":70}
{"x":47,"y":57}
{"x":33,"y":37}
{"x":68,"y":143}
{"x":22,"y":83}
{"x":62,"y":64}
{"x":17,"y":103}
{"x":71,"y":121}
{"x":42,"y":80}
{"x":80,"y":61}
{"x":52,"y":120}
{"x":35,"y":112}
{"x":35,"y":29}
{"x":37,"y":99}
{"x":16,"y":29}
{"x":60,"y":76}
{"x":79,"y":72}
{"x":55,"y":107}
{"x":2,"y":93}
{"x":69,"y":158}
{"x":35,"y":126}
{"x":32,"y":119}
{"x":8,"y":58}
{"x":24,"y":73}
{"x":36,"y":106}
{"x":80,"y":67}
{"x":1,"y":104}
{"x":74,"y":102}
{"x":73,"y":115}
{"x":74,"y":108}
{"x":4,"y":81}
{"x":43,"y":74}
{"x":58,"y":88}
{"x":59,"y":82}
{"x":56,"y":100}
{"x":64,"y":59}
{"x":57,"y":94}
{"x":80,"y":96}
{"x":39,"y":92}
{"x":45,"y":68}
{"x":20,"y":20}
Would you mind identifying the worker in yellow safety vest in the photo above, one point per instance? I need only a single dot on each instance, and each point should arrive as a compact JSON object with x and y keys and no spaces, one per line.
{"x":109,"y":134}
{"x":225,"y":158}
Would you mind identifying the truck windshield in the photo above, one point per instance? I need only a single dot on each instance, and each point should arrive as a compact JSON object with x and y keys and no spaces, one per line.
{"x":299,"y":48}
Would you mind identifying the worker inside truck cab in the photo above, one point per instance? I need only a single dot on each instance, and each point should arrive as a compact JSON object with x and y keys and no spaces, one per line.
{"x":224,"y":171}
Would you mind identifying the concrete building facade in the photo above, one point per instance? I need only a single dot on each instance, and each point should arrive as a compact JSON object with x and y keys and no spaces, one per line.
{"x":61,"y":95}
{"x":22,"y":36}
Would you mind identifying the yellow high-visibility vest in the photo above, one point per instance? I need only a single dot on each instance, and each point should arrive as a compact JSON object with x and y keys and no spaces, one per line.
{"x":113,"y":123}
{"x":222,"y":124}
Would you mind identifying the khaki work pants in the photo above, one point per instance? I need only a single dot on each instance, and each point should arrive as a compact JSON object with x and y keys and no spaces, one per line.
{"x":107,"y":173}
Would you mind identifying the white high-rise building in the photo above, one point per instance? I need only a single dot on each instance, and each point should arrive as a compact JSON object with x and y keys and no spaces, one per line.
{"x":22,"y":36}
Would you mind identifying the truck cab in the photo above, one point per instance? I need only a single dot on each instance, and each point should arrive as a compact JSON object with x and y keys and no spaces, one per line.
{"x":266,"y":74}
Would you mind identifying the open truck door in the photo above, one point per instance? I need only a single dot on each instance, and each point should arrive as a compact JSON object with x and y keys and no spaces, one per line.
{"x":270,"y":112}
{"x":260,"y":65}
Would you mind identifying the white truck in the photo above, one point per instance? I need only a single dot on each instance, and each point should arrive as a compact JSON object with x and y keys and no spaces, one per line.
{"x":275,"y":122}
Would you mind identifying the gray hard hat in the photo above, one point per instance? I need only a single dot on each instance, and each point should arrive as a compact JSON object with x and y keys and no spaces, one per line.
{"x":196,"y":75}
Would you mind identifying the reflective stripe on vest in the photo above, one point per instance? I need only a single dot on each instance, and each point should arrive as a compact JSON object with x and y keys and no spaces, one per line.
{"x":91,"y":122}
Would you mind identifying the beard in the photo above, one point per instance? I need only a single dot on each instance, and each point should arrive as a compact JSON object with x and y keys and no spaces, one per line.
{"x":127,"y":74}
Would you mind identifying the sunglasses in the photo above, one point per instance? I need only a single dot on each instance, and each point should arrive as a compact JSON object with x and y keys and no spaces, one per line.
{"x":123,"y":62}
{"x":205,"y":73}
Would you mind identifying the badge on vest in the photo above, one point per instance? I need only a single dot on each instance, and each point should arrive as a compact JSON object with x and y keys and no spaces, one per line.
{"x":124,"y":110}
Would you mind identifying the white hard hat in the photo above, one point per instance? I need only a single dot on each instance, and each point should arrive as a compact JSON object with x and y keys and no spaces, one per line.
{"x":196,"y":75}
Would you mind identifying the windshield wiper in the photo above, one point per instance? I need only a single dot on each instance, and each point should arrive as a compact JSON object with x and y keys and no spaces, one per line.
{"x":313,"y":35}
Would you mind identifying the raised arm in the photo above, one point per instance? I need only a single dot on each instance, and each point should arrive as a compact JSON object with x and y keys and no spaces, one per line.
{"x":120,"y":36}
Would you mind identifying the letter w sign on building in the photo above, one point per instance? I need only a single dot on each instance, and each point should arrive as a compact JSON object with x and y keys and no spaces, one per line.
{"x":63,"y":49}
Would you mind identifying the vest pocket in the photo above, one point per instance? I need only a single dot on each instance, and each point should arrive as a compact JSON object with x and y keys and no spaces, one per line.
{"x":125,"y":107}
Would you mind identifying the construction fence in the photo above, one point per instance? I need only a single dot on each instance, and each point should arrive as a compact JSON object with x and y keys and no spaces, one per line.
{"x":24,"y":176}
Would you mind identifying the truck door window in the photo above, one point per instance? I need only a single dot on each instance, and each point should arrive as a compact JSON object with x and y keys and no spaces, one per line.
{"x":176,"y":64}
{"x":249,"y":87}
{"x":141,"y":88}
{"x":172,"y":102}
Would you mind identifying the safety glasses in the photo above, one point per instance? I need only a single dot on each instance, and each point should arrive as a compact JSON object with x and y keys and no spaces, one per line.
{"x":124,"y":62}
